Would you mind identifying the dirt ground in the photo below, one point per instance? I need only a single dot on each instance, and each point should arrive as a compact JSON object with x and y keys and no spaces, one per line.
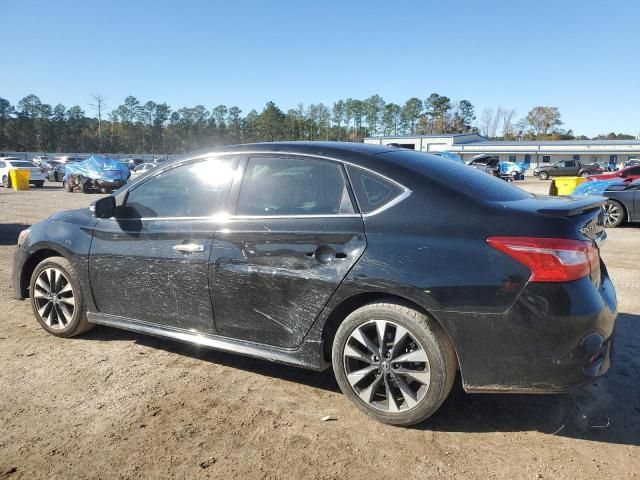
{"x":114,"y":404}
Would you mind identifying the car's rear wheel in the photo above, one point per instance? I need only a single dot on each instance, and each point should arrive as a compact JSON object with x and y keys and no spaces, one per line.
{"x":614,"y":214}
{"x":543,"y":176}
{"x":393,"y":362}
{"x":6,"y":182}
{"x":39,"y":184}
{"x":585,"y":174}
{"x":56,"y":298}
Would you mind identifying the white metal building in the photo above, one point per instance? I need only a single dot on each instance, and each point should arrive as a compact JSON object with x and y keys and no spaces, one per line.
{"x":604,"y":152}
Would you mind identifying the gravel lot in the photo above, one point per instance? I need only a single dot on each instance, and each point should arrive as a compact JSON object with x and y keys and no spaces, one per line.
{"x":114,"y":404}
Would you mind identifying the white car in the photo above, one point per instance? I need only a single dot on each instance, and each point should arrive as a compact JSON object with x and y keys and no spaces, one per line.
{"x":39,"y":159}
{"x":68,"y":159}
{"x":36,"y":175}
{"x":141,"y":169}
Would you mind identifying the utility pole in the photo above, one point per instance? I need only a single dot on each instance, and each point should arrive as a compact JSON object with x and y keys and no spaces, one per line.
{"x":98,"y":106}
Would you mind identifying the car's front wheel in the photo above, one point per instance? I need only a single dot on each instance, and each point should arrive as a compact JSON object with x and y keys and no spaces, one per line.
{"x":543,"y":176}
{"x":56,"y":298}
{"x":614,"y":214}
{"x":394,"y":363}
{"x":6,"y":182}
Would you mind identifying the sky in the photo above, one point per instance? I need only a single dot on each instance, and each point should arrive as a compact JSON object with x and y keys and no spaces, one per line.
{"x":581,"y":56}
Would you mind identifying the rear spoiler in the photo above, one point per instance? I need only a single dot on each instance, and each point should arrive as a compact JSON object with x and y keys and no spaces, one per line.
{"x":575,"y":206}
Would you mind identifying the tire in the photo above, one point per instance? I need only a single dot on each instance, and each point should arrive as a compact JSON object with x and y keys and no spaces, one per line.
{"x":615,"y":214}
{"x":365,"y":376}
{"x":64,"y":315}
{"x":543,"y":176}
{"x":6,"y":181}
{"x":585,"y":174}
{"x":39,"y":184}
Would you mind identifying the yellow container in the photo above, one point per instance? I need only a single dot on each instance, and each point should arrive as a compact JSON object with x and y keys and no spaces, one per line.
{"x":566,"y":185}
{"x":19,"y":179}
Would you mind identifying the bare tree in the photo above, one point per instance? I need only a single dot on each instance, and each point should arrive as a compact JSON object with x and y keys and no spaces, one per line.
{"x":493,"y":125}
{"x":98,"y":106}
{"x":485,"y":122}
{"x":507,"y":122}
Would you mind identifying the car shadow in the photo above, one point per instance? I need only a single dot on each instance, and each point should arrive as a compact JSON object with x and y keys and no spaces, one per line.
{"x":9,"y":232}
{"x":606,"y":410}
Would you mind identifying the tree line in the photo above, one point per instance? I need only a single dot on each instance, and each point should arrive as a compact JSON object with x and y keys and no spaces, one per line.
{"x":151,"y":127}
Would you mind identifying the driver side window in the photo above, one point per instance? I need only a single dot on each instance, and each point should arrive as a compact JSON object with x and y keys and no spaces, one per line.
{"x":559,"y":165}
{"x":193,"y":190}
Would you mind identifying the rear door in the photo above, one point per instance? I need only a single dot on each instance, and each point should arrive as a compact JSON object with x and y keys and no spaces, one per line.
{"x":277,"y":261}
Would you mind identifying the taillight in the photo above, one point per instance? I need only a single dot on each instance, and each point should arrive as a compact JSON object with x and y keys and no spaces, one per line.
{"x":550,"y":259}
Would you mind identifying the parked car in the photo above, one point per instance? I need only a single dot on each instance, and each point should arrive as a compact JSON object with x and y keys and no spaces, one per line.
{"x":36,"y":175}
{"x":632,"y":163}
{"x":131,"y":163}
{"x":486,"y":163}
{"x":623,"y":204}
{"x":39,"y":159}
{"x":56,"y":174}
{"x":95,"y":174}
{"x":141,"y":169}
{"x":627,"y":174}
{"x":48,"y":165}
{"x":312,"y":254}
{"x":567,"y":168}
{"x":69,"y":159}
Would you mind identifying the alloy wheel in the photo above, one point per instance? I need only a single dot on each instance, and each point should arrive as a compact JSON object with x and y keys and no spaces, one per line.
{"x":612,"y":214}
{"x":54,"y":298}
{"x":386,"y":366}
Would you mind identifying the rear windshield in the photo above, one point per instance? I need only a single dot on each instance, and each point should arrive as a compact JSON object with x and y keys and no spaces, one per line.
{"x":22,"y":164}
{"x":464,"y":178}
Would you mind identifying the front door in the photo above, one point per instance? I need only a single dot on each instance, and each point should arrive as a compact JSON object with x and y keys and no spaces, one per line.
{"x":151,"y":261}
{"x":277,"y":262}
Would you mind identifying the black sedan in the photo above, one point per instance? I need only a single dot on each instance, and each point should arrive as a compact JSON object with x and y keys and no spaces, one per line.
{"x":312,"y":254}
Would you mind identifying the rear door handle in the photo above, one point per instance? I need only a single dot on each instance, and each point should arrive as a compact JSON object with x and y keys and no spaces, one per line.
{"x":188,"y":248}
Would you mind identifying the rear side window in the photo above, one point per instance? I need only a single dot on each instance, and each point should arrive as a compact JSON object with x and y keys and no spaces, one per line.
{"x":372,"y":191}
{"x":293,"y":186}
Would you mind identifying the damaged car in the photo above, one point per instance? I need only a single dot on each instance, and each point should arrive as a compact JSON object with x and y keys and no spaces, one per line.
{"x":95,"y":174}
{"x":342,"y":255}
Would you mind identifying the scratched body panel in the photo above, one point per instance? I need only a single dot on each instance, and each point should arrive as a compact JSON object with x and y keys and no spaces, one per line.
{"x":136,"y":272}
{"x":267,"y":282}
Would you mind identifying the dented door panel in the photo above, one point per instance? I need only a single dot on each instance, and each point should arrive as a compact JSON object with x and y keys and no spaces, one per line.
{"x":270,"y":278}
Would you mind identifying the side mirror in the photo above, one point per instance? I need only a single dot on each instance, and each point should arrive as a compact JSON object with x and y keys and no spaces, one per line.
{"x":104,"y":208}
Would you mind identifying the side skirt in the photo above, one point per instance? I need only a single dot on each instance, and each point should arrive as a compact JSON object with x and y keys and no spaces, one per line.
{"x":308,"y":355}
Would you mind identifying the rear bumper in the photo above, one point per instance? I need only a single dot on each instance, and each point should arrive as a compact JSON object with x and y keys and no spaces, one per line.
{"x":554,"y":338}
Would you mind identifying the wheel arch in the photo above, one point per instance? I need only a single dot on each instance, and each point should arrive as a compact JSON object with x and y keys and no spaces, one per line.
{"x":625,"y":211}
{"x":341,"y":311}
{"x":30,"y":265}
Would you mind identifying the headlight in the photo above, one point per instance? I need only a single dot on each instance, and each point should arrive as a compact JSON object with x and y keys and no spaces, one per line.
{"x":22,"y":237}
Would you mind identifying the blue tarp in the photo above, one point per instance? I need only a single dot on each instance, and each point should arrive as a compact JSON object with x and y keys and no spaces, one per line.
{"x":594,"y":187}
{"x":508,"y":168}
{"x":97,"y":167}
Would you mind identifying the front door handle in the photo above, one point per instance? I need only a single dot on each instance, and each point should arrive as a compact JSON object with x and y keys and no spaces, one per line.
{"x":188,"y":248}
